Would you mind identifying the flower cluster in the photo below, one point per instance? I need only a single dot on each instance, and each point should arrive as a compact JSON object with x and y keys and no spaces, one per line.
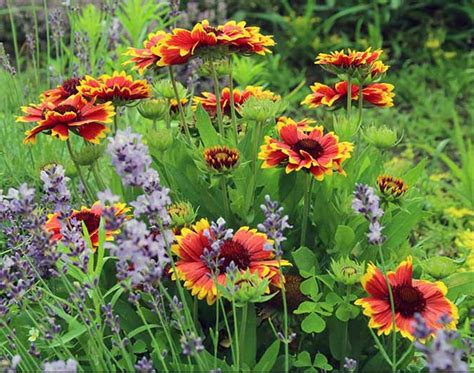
{"x":209,"y":102}
{"x":55,"y":188}
{"x":306,"y":149}
{"x":274,"y":224}
{"x":367,"y":203}
{"x":181,"y":45}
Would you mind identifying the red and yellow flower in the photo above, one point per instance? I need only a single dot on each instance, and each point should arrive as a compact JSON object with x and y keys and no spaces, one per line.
{"x":303,"y":123}
{"x":410,"y":297}
{"x":146,"y":57}
{"x":246,"y":249}
{"x":348,"y":60}
{"x":209,"y":102}
{"x":378,"y":94}
{"x":77,"y":114}
{"x":90,"y":217}
{"x":119,"y":87}
{"x":174,"y":107}
{"x":67,"y":89}
{"x":305,"y":149}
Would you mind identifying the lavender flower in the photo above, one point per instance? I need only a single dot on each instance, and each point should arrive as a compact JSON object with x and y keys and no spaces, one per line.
{"x":57,"y":24}
{"x":5,"y":61}
{"x":217,"y":234}
{"x":274,"y":224}
{"x":69,"y":366}
{"x":350,"y":364}
{"x":7,"y":366}
{"x":30,"y":43}
{"x":55,"y":188}
{"x":144,"y":365}
{"x":367,"y":203}
{"x":441,"y":354}
{"x":191,"y":344}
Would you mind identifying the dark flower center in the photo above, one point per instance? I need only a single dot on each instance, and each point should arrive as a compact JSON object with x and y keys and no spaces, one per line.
{"x":408,"y":300}
{"x":232,"y":251}
{"x":310,"y":146}
{"x":61,"y":109}
{"x":214,"y":30}
{"x":70,"y":86}
{"x":91,"y":220}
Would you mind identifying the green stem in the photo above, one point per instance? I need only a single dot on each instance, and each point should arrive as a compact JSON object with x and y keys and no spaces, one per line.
{"x":98,"y":179}
{"x":115,"y":120}
{"x":380,"y":347}
{"x":180,"y":106}
{"x":346,"y":327}
{"x":217,"y":92}
{"x":225,"y":198}
{"x":14,"y":36}
{"x":236,"y":337}
{"x":232,"y":103}
{"x":243,"y":326}
{"x":227,"y":326}
{"x":285,"y":319}
{"x":360,"y":105}
{"x":392,"y":307}
{"x":216,"y":335}
{"x":48,"y":40}
{"x":306,"y":206}
{"x":349,"y":97}
{"x":79,"y":171}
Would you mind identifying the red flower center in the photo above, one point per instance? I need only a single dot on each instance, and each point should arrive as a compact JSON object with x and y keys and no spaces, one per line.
{"x":232,"y":251}
{"x":216,"y":32}
{"x":408,"y":300}
{"x":91,"y":220}
{"x":70,"y":86}
{"x":310,"y":146}
{"x":61,"y":109}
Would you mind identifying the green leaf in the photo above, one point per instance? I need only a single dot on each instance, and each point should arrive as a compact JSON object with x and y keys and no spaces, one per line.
{"x":309,"y":287}
{"x":412,"y":176}
{"x":249,"y":348}
{"x":75,"y":329}
{"x":460,"y":284}
{"x":303,"y":360}
{"x":321,"y":361}
{"x":139,"y":347}
{"x":305,"y":307}
{"x":344,"y":238}
{"x":313,"y":323}
{"x":304,"y":258}
{"x":206,"y":130}
{"x":268,"y":359}
{"x":346,"y":311}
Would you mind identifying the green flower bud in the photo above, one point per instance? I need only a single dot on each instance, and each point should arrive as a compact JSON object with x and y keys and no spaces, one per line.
{"x":182,"y":214}
{"x":347,"y":271}
{"x":160,"y":139}
{"x":344,"y":127}
{"x":222,"y":68}
{"x":89,"y":154}
{"x":439,"y":267}
{"x":261,"y":110}
{"x":154,"y":109}
{"x":381,"y":137}
{"x":164,"y":88}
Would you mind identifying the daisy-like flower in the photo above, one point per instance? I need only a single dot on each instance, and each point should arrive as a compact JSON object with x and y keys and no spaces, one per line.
{"x":342,"y":62}
{"x":174,"y":107}
{"x":328,"y":96}
{"x":209,"y":102}
{"x":61,"y":92}
{"x":146,"y":57}
{"x":246,"y":249}
{"x":119,"y":87}
{"x":410,"y":297}
{"x":76,"y":114}
{"x":378,"y":94}
{"x":309,"y":149}
{"x":221,"y":158}
{"x":91,"y":218}
{"x":303,"y":123}
{"x":391,"y":186}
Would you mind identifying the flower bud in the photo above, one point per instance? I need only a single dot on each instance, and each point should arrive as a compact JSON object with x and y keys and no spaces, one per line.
{"x":261,"y":110}
{"x":439,"y":267}
{"x":347,"y":271}
{"x":154,"y":109}
{"x":221,"y":159}
{"x":160,"y":139}
{"x":345,"y":128}
{"x":391,"y":187}
{"x":381,"y":137}
{"x":222,"y":68}
{"x":164,"y":88}
{"x":182,"y":214}
{"x":89,"y":154}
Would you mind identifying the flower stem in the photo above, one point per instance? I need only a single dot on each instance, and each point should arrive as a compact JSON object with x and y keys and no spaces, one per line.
{"x":285,"y":319}
{"x":180,"y":106}
{"x":79,"y":171}
{"x":115,"y":122}
{"x":243,"y":326}
{"x":349,"y":97}
{"x":220,"y":120}
{"x":360,"y":105}
{"x":306,"y":206}
{"x":232,"y":103}
{"x":346,"y":327}
{"x":236,"y":337}
{"x":225,"y":198}
{"x":392,"y":307}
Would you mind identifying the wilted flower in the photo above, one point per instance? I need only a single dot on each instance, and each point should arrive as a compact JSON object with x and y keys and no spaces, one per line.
{"x":347,"y":271}
{"x":293,"y":294}
{"x":221,"y":159}
{"x":410,"y":297}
